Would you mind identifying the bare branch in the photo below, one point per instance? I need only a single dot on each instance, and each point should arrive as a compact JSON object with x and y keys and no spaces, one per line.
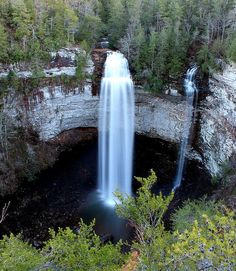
{"x":4,"y":212}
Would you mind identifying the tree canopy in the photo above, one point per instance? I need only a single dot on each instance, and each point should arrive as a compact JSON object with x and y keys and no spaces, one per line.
{"x":160,"y":38}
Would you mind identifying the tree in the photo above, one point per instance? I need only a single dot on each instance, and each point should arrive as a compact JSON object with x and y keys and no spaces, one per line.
{"x":17,"y":255}
{"x":90,"y":29}
{"x":117,"y":22}
{"x":232,"y":49}
{"x":145,"y":211}
{"x":22,"y":22}
{"x":205,"y":59}
{"x":3,"y":44}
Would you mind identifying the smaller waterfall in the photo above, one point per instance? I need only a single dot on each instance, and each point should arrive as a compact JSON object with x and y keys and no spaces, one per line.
{"x":191,"y":92}
{"x":116,"y":128}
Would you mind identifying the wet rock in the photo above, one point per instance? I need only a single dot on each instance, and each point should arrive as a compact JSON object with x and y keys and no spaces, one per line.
{"x":99,"y":56}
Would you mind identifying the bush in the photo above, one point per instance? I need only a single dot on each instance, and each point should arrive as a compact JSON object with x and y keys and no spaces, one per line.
{"x":146,"y":210}
{"x":17,"y":255}
{"x":66,"y":250}
{"x":203,"y":237}
{"x":183,"y":219}
{"x":82,"y":251}
{"x":208,"y":245}
{"x":232,"y":50}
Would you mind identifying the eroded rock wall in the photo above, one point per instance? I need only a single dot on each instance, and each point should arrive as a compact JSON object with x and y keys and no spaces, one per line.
{"x":218,"y":120}
{"x":57,"y":114}
{"x":159,"y":117}
{"x":58,"y":111}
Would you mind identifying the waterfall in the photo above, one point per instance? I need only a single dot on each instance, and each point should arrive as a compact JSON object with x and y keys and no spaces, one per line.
{"x":116,"y":128}
{"x":191,"y":92}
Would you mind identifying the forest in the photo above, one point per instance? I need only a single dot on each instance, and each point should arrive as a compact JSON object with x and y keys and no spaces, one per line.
{"x":161,"y":40}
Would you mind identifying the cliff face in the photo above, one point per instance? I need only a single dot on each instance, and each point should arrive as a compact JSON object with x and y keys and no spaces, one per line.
{"x":159,"y":117}
{"x":60,"y":116}
{"x":58,"y":111}
{"x":218,"y":120}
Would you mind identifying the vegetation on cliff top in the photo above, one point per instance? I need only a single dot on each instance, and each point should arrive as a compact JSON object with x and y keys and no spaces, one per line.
{"x":158,"y":37}
{"x":206,"y":242}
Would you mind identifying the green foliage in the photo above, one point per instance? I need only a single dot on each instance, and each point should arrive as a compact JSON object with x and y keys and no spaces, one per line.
{"x":35,"y":29}
{"x":65,"y":250}
{"x":117,"y":22}
{"x":18,"y":255}
{"x":208,"y":244}
{"x":80,"y":72}
{"x":3,"y":44}
{"x":90,"y":29}
{"x":205,"y":59}
{"x":183,"y":219}
{"x":159,"y":37}
{"x":182,"y":30}
{"x":82,"y":251}
{"x":232,"y":49}
{"x":203,"y":238}
{"x":146,"y":210}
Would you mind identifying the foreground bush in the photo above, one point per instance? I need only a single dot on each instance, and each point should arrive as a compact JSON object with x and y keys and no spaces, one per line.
{"x":15,"y":255}
{"x":191,"y":211}
{"x":82,"y":251}
{"x":65,"y":250}
{"x":203,"y":238}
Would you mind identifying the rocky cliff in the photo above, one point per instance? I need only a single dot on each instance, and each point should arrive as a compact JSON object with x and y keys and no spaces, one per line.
{"x":58,"y":111}
{"x":59,"y":115}
{"x":218,"y":120}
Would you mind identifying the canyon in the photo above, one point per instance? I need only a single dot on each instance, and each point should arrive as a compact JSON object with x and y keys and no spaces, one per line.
{"x":60,"y":117}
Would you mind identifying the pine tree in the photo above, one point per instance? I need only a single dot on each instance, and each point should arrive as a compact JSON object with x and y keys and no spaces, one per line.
{"x":3,"y":44}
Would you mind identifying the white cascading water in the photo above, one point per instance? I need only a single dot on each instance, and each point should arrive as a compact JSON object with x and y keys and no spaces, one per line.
{"x":116,"y":128}
{"x":191,"y":91}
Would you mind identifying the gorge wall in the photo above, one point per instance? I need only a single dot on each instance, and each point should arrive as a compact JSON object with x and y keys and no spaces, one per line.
{"x":58,"y":111}
{"x":218,"y":120}
{"x":60,"y":116}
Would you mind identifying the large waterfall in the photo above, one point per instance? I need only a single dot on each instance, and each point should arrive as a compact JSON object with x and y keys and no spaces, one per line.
{"x":191,"y":92}
{"x":116,"y":128}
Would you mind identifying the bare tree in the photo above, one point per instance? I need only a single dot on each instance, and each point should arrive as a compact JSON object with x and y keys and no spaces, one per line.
{"x":4,"y":212}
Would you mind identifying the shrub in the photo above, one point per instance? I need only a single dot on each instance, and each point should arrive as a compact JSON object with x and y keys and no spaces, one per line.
{"x":82,"y":251}
{"x":146,"y":210}
{"x":203,"y":239}
{"x":18,"y":255}
{"x":66,"y":250}
{"x":209,"y":244}
{"x":183,"y":219}
{"x":80,"y":69}
{"x":232,"y":50}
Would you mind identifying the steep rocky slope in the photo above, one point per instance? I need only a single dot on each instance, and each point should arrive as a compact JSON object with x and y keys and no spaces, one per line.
{"x":218,"y":120}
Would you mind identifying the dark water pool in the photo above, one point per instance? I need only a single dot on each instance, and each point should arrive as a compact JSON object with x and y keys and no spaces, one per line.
{"x":65,"y":193}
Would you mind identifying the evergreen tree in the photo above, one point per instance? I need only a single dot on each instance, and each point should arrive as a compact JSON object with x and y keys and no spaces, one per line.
{"x":3,"y":44}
